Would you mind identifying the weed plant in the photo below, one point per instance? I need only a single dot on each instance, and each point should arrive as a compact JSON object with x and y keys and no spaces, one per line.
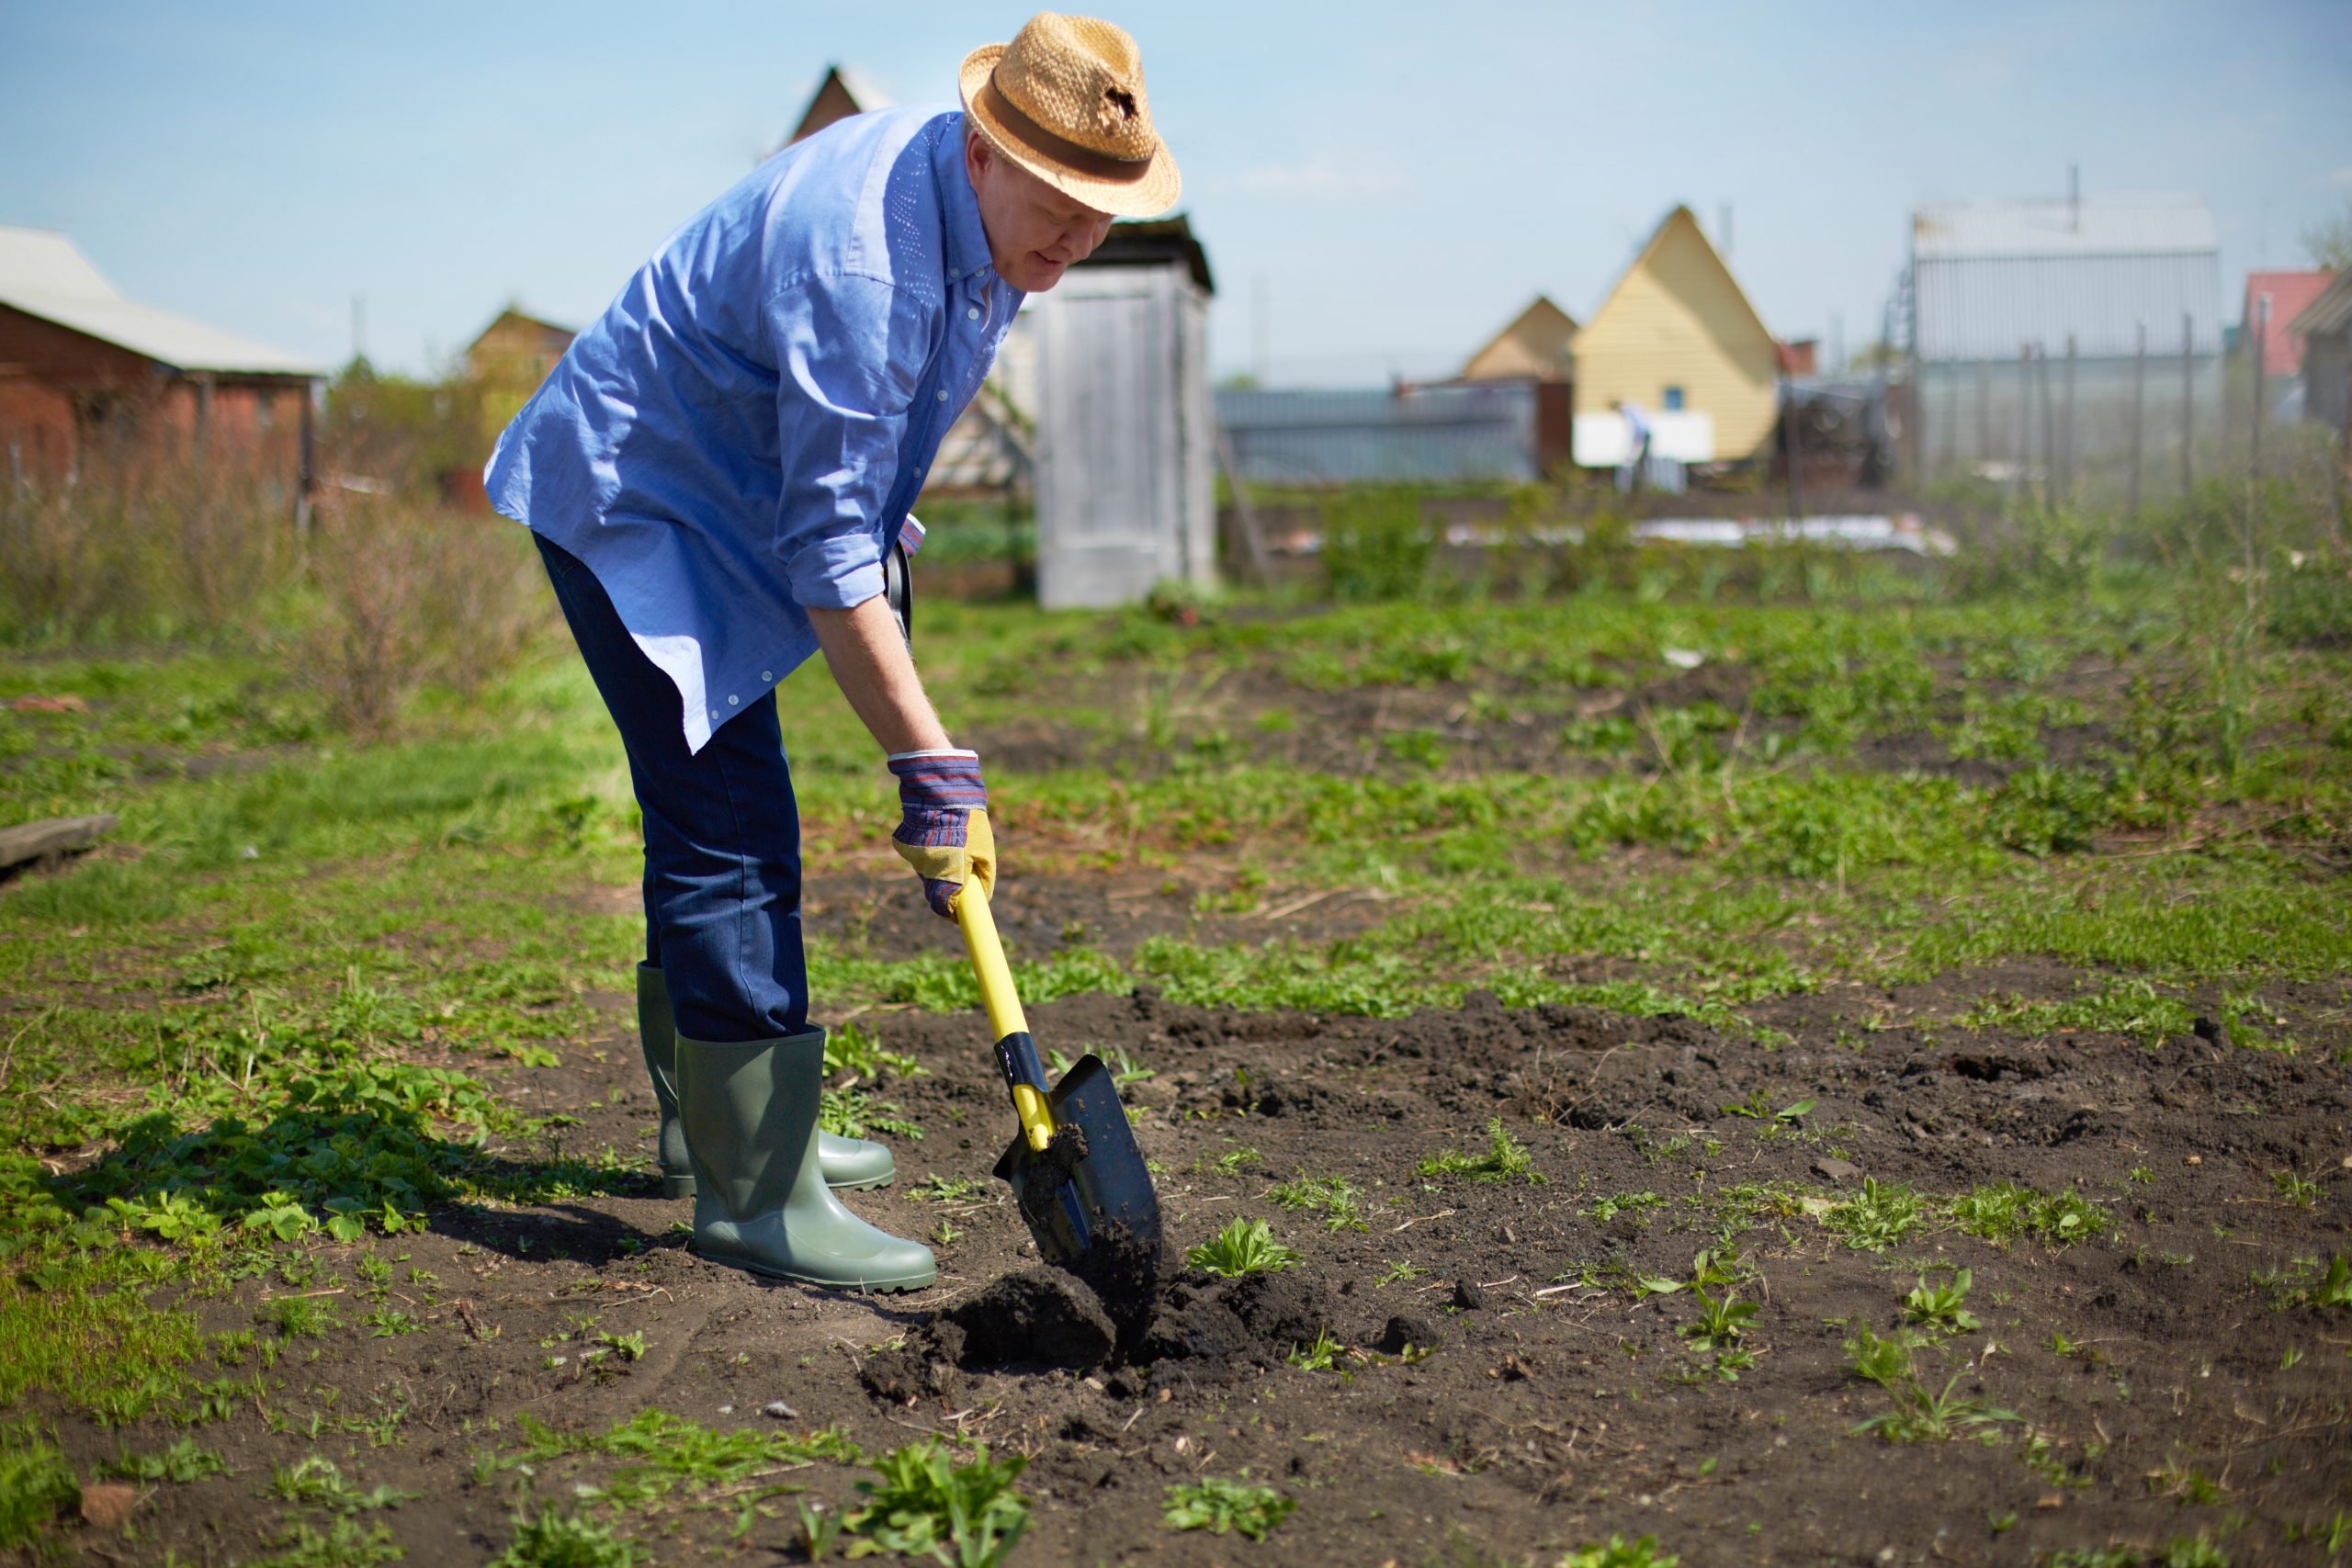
{"x":925,"y":1504}
{"x":1879,"y":1217}
{"x":1505,"y":1157}
{"x":1243,"y":1247}
{"x":553,"y":1540}
{"x":1642,"y":1552}
{"x":1333,"y":1197}
{"x":36,"y":1485}
{"x":1222,"y":1507}
{"x":2005,"y":1211}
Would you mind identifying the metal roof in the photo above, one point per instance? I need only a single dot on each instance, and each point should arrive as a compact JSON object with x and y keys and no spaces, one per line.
{"x":2331,"y":312}
{"x":1991,"y":279}
{"x":42,"y":275}
{"x":2093,"y":226}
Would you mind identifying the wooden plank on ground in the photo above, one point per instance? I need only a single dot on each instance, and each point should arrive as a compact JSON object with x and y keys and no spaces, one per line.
{"x":52,"y":836}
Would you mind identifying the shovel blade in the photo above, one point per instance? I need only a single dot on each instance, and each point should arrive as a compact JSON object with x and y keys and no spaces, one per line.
{"x":1070,"y":1197}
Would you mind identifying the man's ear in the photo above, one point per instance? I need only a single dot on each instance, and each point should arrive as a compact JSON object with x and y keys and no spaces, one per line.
{"x":977,"y":154}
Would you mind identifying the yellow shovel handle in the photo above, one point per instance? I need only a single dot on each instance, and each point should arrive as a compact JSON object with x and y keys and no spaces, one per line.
{"x":989,"y":966}
{"x":1006,"y":1020}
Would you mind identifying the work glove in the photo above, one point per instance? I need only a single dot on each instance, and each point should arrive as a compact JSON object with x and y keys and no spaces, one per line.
{"x":943,"y":828}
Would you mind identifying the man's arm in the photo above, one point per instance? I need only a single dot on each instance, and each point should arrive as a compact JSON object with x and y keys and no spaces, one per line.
{"x":870,"y":663}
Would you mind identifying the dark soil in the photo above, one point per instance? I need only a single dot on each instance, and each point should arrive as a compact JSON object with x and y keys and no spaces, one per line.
{"x":1503,"y":1390}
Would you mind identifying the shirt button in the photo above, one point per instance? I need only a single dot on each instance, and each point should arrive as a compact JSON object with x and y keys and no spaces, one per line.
{"x":943,"y":394}
{"x":732,"y":701}
{"x":767,"y":674}
{"x":972,"y":313}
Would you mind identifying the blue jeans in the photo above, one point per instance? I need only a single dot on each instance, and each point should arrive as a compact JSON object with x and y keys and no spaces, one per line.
{"x":722,"y":834}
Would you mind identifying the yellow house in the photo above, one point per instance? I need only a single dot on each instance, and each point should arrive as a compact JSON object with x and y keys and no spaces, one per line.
{"x":1677,"y":335}
{"x":1540,"y":344}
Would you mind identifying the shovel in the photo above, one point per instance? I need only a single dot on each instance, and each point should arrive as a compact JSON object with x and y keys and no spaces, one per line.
{"x":1076,"y":1173}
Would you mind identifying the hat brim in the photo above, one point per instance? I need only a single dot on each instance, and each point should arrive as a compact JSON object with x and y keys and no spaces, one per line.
{"x":1152,"y":191}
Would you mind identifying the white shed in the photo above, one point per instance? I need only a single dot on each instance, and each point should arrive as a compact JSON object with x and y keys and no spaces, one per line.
{"x":1126,"y":429}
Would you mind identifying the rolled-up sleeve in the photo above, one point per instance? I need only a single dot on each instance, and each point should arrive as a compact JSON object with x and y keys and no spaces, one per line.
{"x":849,"y":354}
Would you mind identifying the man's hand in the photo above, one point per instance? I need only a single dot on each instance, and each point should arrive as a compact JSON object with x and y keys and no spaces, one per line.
{"x":943,"y":830}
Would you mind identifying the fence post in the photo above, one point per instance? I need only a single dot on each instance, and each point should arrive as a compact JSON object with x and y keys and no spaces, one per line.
{"x":2139,"y":416}
{"x":2048,"y":429}
{"x":2025,"y":425}
{"x":2066,"y":465}
{"x":2254,"y":421}
{"x":2187,"y":401}
{"x":1983,"y":412}
{"x":1791,"y":437}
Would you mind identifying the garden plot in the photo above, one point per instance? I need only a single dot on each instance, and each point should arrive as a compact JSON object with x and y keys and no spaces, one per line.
{"x":1879,"y":1094}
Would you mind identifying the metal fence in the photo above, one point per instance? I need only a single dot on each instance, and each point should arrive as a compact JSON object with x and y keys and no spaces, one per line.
{"x":1412,"y":435}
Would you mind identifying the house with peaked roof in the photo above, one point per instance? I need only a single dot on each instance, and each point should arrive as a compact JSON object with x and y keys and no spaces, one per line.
{"x":1539,"y":345}
{"x":1677,"y":336}
{"x":2287,"y":294}
{"x":85,"y":372}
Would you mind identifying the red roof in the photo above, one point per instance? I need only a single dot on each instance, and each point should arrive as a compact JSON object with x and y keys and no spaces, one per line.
{"x":2282,"y":353}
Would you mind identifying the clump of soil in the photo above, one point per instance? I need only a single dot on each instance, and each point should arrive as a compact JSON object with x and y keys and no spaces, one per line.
{"x":1194,"y":1328}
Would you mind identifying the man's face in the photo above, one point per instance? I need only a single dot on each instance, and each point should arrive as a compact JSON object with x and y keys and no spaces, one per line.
{"x":1035,"y":233}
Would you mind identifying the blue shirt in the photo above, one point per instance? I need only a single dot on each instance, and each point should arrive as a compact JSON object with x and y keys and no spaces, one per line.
{"x":739,"y":435}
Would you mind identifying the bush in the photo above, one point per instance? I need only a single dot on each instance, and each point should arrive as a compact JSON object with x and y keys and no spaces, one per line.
{"x":151,"y":548}
{"x":1377,"y":545}
{"x":410,"y":595}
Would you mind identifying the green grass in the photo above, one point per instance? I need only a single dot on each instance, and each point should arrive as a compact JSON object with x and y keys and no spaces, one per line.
{"x":660,"y":1454}
{"x":287,"y":1004}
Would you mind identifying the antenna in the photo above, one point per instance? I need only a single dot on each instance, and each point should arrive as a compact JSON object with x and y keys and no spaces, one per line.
{"x":2075,"y":195}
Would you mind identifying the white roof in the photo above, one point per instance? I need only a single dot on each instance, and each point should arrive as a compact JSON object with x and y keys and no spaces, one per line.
{"x":2096,"y":226}
{"x":42,"y":275}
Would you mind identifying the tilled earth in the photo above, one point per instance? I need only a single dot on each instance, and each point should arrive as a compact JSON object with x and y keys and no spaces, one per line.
{"x":1506,"y":1388}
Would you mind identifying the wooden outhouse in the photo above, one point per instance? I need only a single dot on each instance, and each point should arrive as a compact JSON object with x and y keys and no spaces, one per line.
{"x":1125,"y":425}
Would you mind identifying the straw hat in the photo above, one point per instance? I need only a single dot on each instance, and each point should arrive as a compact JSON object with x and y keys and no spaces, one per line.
{"x":1065,"y":100}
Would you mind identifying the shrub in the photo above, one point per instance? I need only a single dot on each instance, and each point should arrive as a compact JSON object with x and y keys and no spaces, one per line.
{"x":411,"y":594}
{"x":1377,"y":545}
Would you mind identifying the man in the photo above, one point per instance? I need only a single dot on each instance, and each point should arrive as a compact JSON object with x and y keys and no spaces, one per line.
{"x":715,"y":475}
{"x":1632,"y":474}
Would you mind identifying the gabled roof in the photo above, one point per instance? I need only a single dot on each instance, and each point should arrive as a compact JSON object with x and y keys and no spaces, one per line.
{"x":42,"y":275}
{"x":1541,"y":320}
{"x":1666,"y":226}
{"x":2091,"y":226}
{"x":1143,"y":242}
{"x":551,"y":328}
{"x":842,"y":92}
{"x":2291,"y":293}
{"x":2331,"y":312}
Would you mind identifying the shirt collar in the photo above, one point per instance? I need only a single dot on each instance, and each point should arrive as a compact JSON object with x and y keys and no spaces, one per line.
{"x":967,"y":238}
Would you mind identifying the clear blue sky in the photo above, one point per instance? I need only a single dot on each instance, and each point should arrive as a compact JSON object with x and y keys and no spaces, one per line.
{"x":1392,"y":181}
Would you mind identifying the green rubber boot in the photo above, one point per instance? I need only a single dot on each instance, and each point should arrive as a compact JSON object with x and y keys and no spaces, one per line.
{"x":848,"y":1163}
{"x":659,"y":1038}
{"x":761,"y":1201}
